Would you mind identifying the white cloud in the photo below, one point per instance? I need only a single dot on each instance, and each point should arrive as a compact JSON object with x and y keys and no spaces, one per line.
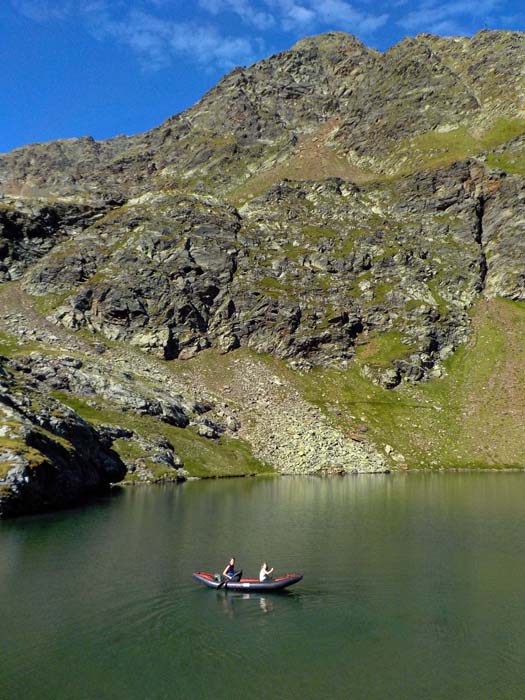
{"x":158,"y":41}
{"x":146,"y":35}
{"x":153,"y":30}
{"x":297,"y":17}
{"x":208,"y":46}
{"x":42,"y":10}
{"x":247,"y":12}
{"x":313,"y":15}
{"x":449,"y":17}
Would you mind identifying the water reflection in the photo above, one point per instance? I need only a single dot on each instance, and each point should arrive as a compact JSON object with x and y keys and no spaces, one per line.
{"x":265,"y":604}
{"x":241,"y":602}
{"x":412,"y":589}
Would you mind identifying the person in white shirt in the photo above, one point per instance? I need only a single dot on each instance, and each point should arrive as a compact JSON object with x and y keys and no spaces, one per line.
{"x":265,"y":572}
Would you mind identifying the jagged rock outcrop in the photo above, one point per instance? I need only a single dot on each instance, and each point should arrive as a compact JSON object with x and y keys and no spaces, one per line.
{"x":306,"y":271}
{"x":49,"y":456}
{"x":374,"y":105}
{"x":29,"y":230}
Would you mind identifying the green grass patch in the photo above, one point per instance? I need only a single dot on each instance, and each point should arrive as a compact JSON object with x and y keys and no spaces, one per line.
{"x":434,"y":289}
{"x":381,"y":290}
{"x":510,"y":158}
{"x":293,"y":252}
{"x":382,"y":349}
{"x":33,"y":457}
{"x":49,"y":302}
{"x":462,"y":420}
{"x":315,"y":234}
{"x":436,"y":149}
{"x":202,"y":457}
{"x":12,"y":346}
{"x":272,"y":287}
{"x":512,"y":164}
{"x":349,"y":238}
{"x":130,"y":451}
{"x":501,"y":131}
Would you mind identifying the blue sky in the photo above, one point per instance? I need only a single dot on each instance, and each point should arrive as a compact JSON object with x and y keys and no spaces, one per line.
{"x":107,"y":67}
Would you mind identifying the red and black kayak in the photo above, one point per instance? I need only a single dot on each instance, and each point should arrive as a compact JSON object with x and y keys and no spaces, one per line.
{"x":247,"y":584}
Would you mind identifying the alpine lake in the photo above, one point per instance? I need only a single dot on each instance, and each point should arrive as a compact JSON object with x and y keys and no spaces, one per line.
{"x":413,"y":589}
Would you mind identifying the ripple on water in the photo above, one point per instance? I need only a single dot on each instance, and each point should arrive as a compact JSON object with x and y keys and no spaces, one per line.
{"x":412,"y":589}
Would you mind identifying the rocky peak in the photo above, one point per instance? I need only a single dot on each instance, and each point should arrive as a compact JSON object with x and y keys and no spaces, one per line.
{"x":343,"y":212}
{"x":363,"y":108}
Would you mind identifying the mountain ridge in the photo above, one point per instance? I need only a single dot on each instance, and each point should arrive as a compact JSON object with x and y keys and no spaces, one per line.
{"x":342,"y":224}
{"x":250,"y":115}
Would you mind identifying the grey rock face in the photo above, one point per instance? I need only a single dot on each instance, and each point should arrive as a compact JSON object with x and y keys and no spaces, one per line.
{"x":51,"y":458}
{"x":92,"y":381}
{"x":305,"y":272}
{"x":360,"y":103}
{"x":30,"y":230}
{"x":504,"y":237}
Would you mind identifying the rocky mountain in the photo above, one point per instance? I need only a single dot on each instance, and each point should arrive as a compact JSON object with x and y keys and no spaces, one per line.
{"x":280,"y":278}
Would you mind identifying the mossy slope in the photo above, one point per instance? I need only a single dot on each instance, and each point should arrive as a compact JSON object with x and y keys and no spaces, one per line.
{"x":472,"y":417}
{"x":202,"y":457}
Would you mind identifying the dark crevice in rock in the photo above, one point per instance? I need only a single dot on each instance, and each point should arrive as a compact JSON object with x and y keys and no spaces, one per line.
{"x":479,"y":238}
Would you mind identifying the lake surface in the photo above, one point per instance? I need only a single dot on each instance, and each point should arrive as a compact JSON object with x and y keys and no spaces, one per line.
{"x":414,"y":588}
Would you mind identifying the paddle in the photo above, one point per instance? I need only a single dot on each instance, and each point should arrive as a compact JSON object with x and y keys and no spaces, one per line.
{"x":236,"y":577}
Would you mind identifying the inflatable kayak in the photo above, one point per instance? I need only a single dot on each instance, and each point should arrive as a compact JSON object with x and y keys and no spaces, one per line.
{"x":247,"y":584}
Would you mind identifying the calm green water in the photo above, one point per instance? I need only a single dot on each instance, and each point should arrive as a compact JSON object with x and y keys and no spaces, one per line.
{"x":414,"y":588}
